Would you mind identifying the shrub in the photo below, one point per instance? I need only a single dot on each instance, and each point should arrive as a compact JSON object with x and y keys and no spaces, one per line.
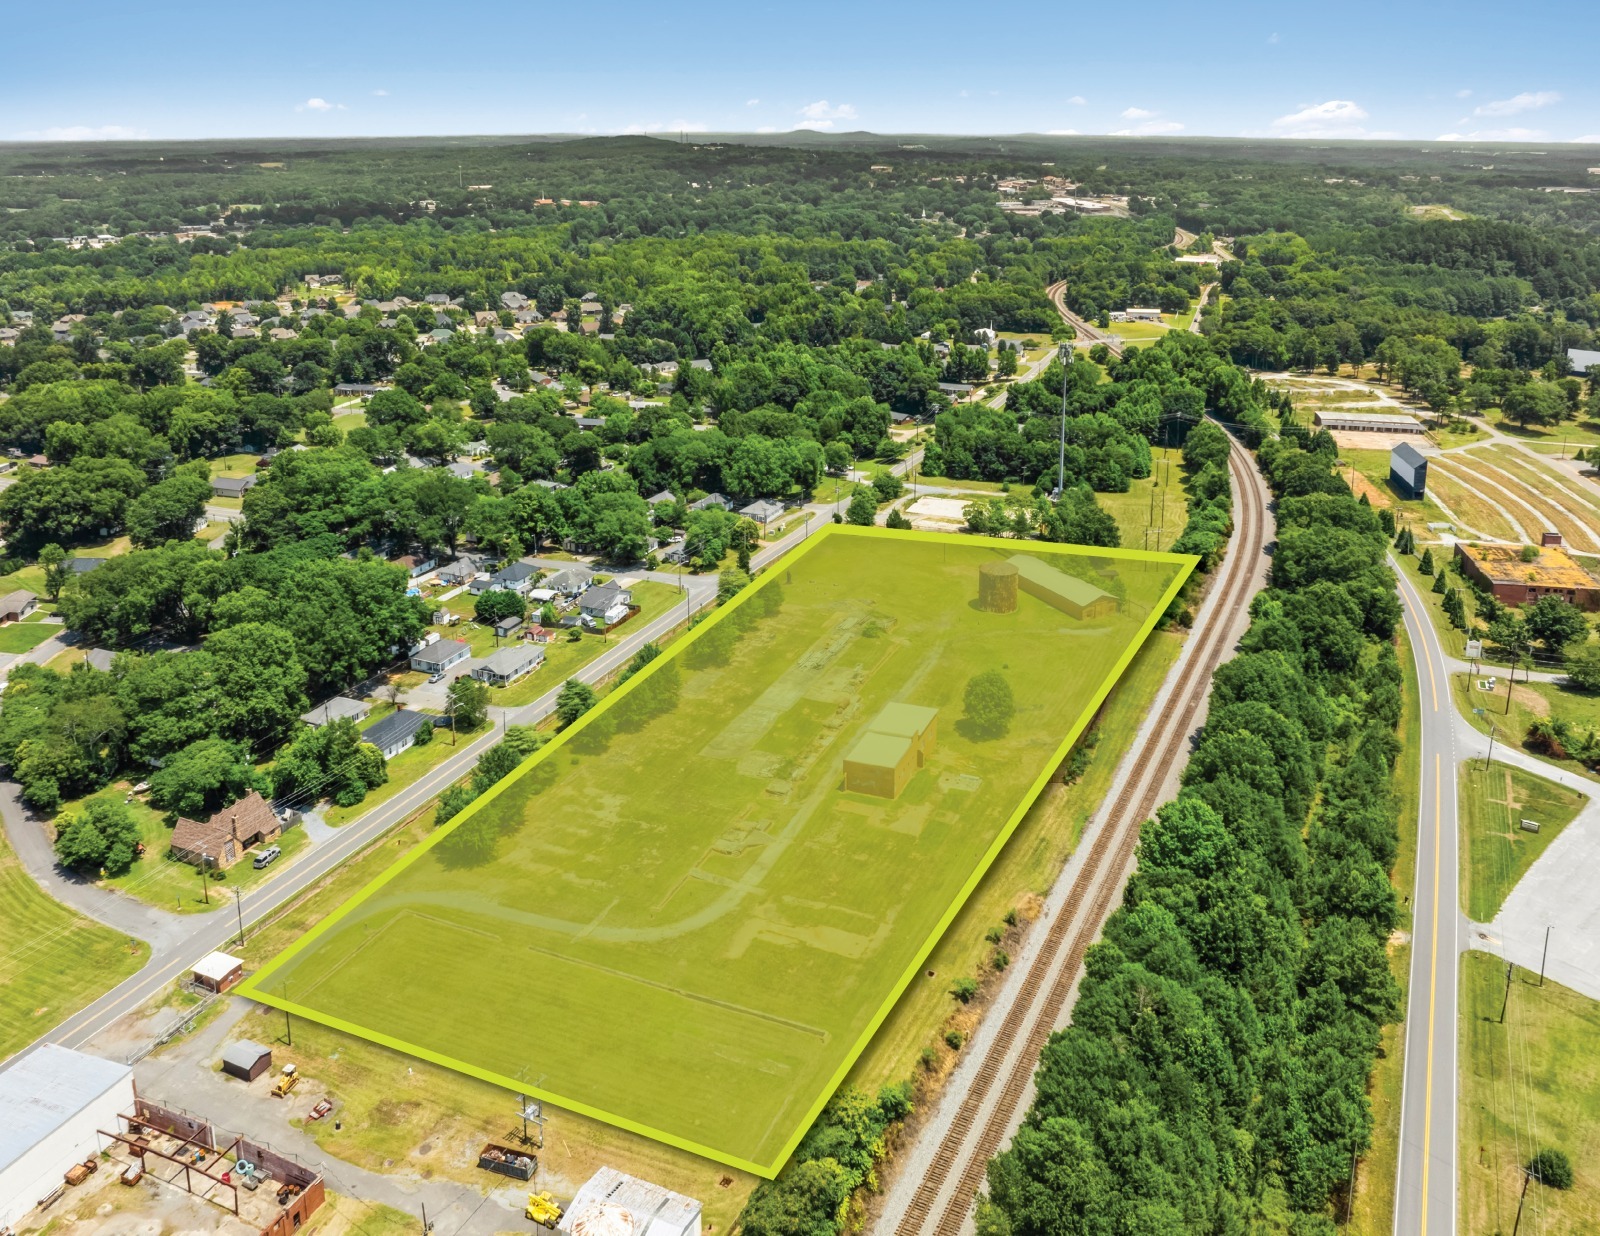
{"x":1552,"y":1168}
{"x":963,"y":989}
{"x":954,"y":1039}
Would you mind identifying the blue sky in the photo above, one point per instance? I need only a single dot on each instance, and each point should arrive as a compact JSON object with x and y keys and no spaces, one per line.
{"x":355,"y":67}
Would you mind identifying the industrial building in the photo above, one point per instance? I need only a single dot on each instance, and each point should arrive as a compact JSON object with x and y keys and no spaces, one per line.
{"x":54,"y":1102}
{"x":613,"y":1204}
{"x":1408,"y":471}
{"x":1338,"y":420}
{"x":1513,"y":581}
{"x":896,"y":744}
{"x":1071,"y":595}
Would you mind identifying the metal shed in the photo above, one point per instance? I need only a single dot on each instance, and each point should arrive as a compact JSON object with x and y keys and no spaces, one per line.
{"x":246,"y":1060}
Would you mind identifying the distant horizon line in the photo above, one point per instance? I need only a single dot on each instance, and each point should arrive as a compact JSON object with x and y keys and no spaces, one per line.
{"x":680,"y":136}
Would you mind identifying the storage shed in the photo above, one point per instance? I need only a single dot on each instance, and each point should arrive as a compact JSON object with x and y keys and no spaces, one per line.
{"x":246,"y":1060}
{"x":218,"y":972}
{"x":55,"y":1100}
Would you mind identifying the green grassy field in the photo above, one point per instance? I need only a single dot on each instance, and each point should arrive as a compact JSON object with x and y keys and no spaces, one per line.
{"x":682,"y":882}
{"x":1530,"y":1083}
{"x":25,"y":636}
{"x":1495,"y":851}
{"x":1529,"y":700}
{"x":53,"y":961}
{"x":1372,"y":1208}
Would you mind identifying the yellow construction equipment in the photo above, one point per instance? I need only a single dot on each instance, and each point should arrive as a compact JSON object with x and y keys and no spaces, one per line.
{"x":286,"y":1082}
{"x":543,"y":1210}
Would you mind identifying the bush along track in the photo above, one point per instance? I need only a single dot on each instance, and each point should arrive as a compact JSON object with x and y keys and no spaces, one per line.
{"x":1214,"y":1075}
{"x":820,"y":1192}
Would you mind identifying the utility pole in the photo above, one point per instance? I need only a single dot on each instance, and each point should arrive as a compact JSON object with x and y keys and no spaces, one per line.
{"x":1526,"y":1176}
{"x":205,"y":893}
{"x":1490,"y":756}
{"x":1506,"y":1000}
{"x":238,"y":905}
{"x":1544,"y":956}
{"x":288,"y":1028}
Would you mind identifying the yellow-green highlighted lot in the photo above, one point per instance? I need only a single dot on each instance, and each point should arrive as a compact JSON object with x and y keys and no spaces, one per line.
{"x":688,"y":914}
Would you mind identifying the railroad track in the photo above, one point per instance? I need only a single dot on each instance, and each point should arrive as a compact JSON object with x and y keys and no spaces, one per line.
{"x":1001,"y":1085}
{"x":1093,"y":334}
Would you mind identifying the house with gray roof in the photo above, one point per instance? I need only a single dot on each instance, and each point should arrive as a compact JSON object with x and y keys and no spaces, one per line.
{"x":504,"y":666}
{"x":398,"y":731}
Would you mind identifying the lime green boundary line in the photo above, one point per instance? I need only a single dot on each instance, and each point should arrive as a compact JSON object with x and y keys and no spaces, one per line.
{"x":254,"y":987}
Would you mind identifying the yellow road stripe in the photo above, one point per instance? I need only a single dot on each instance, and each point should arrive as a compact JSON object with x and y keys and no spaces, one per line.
{"x":1433,"y":992}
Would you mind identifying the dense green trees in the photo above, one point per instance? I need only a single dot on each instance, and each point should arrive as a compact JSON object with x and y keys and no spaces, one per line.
{"x":100,"y":835}
{"x":1226,"y":1025}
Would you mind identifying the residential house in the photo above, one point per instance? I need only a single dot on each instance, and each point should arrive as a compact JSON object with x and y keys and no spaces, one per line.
{"x":666,"y":495}
{"x":527,"y":317}
{"x":17,"y":605}
{"x":486,"y":318}
{"x":8,"y":336}
{"x":503,"y":336}
{"x":763,"y":511}
{"x":709,"y":501}
{"x":439,"y":656}
{"x":281,"y":334}
{"x":337,"y":708}
{"x":436,"y":298}
{"x":396,"y":732}
{"x":438,"y":336}
{"x":463,"y":471}
{"x":232,"y":486}
{"x":363,"y":389}
{"x":513,"y":300}
{"x":604,"y":604}
{"x":504,"y":666}
{"x":506,"y":628}
{"x":222,"y":840}
{"x":516,"y":577}
{"x":417,"y":564}
{"x":462,"y":571}
{"x":570,"y":581}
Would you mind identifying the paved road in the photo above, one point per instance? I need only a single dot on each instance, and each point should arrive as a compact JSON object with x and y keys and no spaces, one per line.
{"x":1425,"y":1193}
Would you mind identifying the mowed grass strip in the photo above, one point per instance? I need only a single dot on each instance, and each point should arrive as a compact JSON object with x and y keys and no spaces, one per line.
{"x":53,"y":961}
{"x":1528,"y":1084}
{"x":685,"y":882}
{"x":1534,"y":510}
{"x":1495,"y":849}
{"x":1476,"y":515}
{"x":1578,"y":496}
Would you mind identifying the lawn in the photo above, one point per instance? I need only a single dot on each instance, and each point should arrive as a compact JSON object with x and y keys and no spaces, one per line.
{"x":1458,"y":491}
{"x":244,"y":464}
{"x":1151,"y":514}
{"x":171,"y":885}
{"x":1530,"y":1083}
{"x":1372,"y":1209}
{"x":1558,"y":437}
{"x":1528,"y":700}
{"x":53,"y":961}
{"x":405,"y":770}
{"x":684,"y":881}
{"x":1495,"y":851}
{"x":30,"y":578}
{"x":18,"y":637}
{"x":1525,"y":501}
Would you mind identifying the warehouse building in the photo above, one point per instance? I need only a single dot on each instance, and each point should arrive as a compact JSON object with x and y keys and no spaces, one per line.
{"x":1408,"y":471}
{"x":1071,"y":595}
{"x":55,"y":1100}
{"x":1336,"y":421}
{"x":1513,"y":581}
{"x":896,"y":744}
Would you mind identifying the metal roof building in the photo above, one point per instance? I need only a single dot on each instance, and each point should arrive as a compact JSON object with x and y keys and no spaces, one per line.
{"x":54,"y":1099}
{"x":1371,"y":422}
{"x":613,"y":1204}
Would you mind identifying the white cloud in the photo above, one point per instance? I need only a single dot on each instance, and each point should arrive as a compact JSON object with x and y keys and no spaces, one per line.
{"x":1527,"y":101}
{"x":1137,"y":113}
{"x":1513,"y":134}
{"x":766,"y":128}
{"x":1334,"y":118}
{"x":1061,"y":133}
{"x":1273,"y":37}
{"x":86,"y":133}
{"x":380,"y":93}
{"x":1152,"y":128}
{"x":752,"y":102}
{"x":1463,"y":94}
{"x":1588,"y":139}
{"x":1077,"y":100}
{"x":318,"y":105}
{"x":822,"y":114}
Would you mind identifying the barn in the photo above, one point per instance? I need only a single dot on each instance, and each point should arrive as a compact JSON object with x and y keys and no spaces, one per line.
{"x":1071,"y":595}
{"x":55,"y":1100}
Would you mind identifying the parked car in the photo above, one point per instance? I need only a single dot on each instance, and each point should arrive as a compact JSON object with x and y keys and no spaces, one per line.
{"x":267,"y":857}
{"x":436,"y":678}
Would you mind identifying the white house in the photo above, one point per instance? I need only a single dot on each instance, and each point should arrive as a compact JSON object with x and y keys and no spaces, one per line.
{"x":54,"y":1099}
{"x":604,"y":604}
{"x":396,"y":732}
{"x":504,"y":666}
{"x":439,"y":656}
